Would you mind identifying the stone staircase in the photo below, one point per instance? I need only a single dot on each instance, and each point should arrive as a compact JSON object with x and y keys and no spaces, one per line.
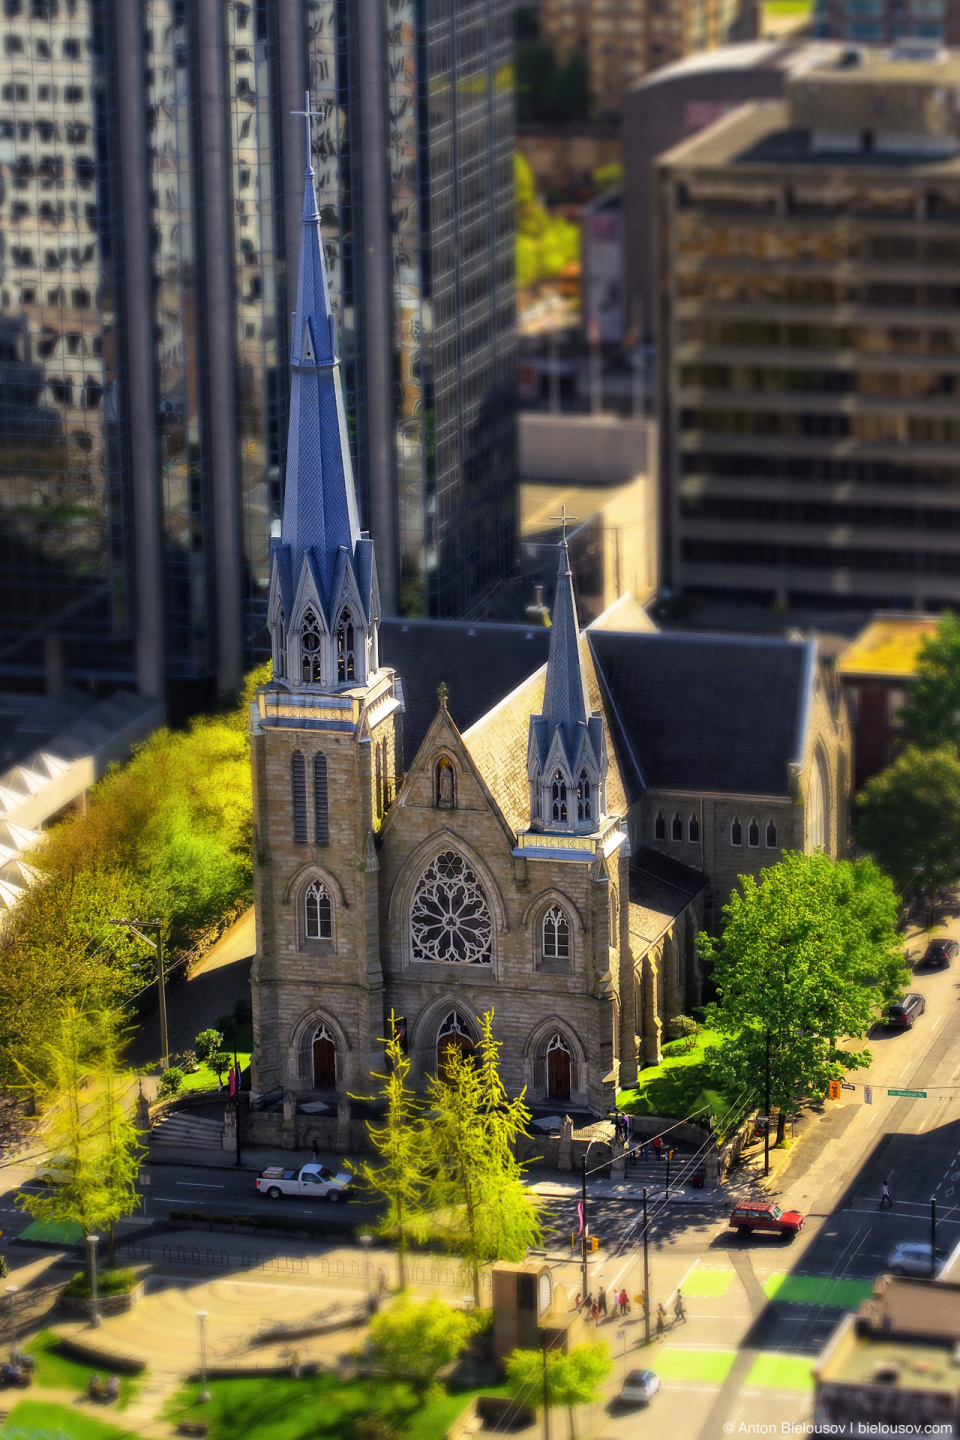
{"x":186,"y":1131}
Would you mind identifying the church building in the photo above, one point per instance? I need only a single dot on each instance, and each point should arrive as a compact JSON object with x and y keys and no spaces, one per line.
{"x":451,"y":818}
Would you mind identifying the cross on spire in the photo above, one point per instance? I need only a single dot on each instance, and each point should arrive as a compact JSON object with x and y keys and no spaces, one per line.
{"x":308,"y":115}
{"x":563,"y":517}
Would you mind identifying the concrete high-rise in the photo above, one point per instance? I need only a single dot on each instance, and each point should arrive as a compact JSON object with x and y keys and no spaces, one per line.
{"x":808,"y":325}
{"x":149,"y":238}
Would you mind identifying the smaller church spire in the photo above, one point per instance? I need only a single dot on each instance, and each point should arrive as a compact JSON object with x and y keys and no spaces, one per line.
{"x":566,"y":754}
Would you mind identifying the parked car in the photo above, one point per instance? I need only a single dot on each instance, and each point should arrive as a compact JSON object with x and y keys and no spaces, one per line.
{"x":913,"y":1258}
{"x":940,"y":952}
{"x":316,"y":1182}
{"x":902,"y":1015}
{"x":639,"y":1387}
{"x":766,"y":1216}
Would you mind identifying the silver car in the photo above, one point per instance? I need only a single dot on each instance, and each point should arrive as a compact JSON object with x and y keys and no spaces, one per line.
{"x":913,"y":1258}
{"x":639,"y":1387}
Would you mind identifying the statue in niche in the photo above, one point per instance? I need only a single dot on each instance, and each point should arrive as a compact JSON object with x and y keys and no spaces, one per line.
{"x":445,"y":795}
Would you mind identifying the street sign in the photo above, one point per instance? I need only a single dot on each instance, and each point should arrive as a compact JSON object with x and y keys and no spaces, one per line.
{"x":845,"y":1086}
{"x":909,"y":1094}
{"x":144,"y":1179}
{"x":868,"y":1094}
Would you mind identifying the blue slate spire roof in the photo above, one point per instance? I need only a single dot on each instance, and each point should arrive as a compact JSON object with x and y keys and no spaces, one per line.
{"x":565,"y":704}
{"x":322,"y":559}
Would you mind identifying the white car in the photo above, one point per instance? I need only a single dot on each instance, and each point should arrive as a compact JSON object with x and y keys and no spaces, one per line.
{"x":639,"y":1387}
{"x":315,"y":1182}
{"x":913,"y":1258}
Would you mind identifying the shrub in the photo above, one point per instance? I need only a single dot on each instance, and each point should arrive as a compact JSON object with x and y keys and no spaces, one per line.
{"x":171,"y":1082}
{"x":4,"y":1272}
{"x":109,"y":1282}
{"x":220,"y":1062}
{"x":207,"y":1043}
{"x":374,"y":1427}
{"x":680,"y":1026}
{"x":185,"y":1061}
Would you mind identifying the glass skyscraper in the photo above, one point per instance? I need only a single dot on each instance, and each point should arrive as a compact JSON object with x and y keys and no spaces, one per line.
{"x":150,"y":175}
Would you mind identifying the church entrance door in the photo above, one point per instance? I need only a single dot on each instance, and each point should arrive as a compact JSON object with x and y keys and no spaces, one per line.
{"x":558,"y":1072}
{"x":324,"y":1063}
{"x":453,"y":1036}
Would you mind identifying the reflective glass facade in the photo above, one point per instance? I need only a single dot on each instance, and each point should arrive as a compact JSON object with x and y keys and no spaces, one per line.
{"x":879,"y":22}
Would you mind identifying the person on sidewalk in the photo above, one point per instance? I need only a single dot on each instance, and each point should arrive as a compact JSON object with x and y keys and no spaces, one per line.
{"x":661,"y":1320}
{"x":657,"y":1147}
{"x":885,"y":1198}
{"x":382,"y":1281}
{"x":602,"y":1301}
{"x":678,"y":1311}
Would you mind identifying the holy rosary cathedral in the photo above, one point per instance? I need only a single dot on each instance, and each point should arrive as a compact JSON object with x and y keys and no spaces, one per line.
{"x":452,"y":818}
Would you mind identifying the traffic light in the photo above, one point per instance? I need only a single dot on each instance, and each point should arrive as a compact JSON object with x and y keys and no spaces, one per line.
{"x":836,"y":1090}
{"x":669,"y":1154}
{"x":594,"y":1243}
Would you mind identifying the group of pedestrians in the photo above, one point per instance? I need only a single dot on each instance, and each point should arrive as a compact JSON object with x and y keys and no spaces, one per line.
{"x":622,"y":1127}
{"x":594,"y":1308}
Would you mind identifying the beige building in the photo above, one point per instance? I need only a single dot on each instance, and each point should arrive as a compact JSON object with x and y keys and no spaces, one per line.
{"x":452,"y":818}
{"x":808,"y":323}
{"x":624,"y":39}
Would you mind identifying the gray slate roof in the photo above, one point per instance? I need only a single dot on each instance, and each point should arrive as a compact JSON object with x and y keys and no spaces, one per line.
{"x":480,"y":664}
{"x":705,"y":712}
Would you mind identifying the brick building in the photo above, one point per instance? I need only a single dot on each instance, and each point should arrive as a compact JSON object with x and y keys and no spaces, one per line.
{"x":451,"y":817}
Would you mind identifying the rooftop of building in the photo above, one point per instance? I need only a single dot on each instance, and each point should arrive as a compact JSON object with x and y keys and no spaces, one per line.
{"x":888,"y":647}
{"x":906,"y":1364}
{"x":903,"y":1337}
{"x":750,"y":55}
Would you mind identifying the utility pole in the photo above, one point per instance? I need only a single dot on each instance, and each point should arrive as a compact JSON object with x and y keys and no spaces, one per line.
{"x":138,"y":927}
{"x":583,"y":1214}
{"x":546,"y":1394}
{"x":666,"y":1193}
{"x":766,"y":1102}
{"x":933,"y":1239}
{"x":646,"y":1273}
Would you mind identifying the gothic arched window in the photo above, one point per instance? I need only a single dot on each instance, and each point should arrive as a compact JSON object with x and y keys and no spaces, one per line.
{"x":556,"y":935}
{"x":736,"y":831}
{"x":659,"y":827}
{"x":584,"y":805}
{"x":449,"y":919}
{"x":321,"y":810}
{"x":771,"y":835}
{"x":693,"y":830}
{"x":753,"y":834}
{"x":537,"y":797}
{"x":559,"y":796}
{"x":318,"y":912}
{"x":310,"y":643}
{"x":299,"y":782}
{"x":346,"y":653}
{"x":676,"y":827}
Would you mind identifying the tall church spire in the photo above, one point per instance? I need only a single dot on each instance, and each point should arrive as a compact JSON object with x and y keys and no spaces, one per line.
{"x":324,"y":606}
{"x":566,"y":754}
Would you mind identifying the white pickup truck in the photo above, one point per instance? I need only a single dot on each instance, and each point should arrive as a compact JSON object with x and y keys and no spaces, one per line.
{"x":315,"y":1181}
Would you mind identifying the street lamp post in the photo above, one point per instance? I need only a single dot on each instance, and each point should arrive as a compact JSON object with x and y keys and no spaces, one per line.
{"x":11,"y":1295}
{"x":92,"y":1242}
{"x":204,"y":1395}
{"x":371,"y":1305}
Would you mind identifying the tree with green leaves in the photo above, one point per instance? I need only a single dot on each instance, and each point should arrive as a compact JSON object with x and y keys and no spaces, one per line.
{"x":399,"y":1180}
{"x":413,"y":1341}
{"x":809,"y":956}
{"x":478,"y":1201}
{"x":909,"y":817}
{"x":207,"y":1043}
{"x":91,"y":1143}
{"x":932,"y":711}
{"x":576,"y":1378}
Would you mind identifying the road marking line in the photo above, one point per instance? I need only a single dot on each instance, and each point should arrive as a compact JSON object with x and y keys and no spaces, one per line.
{"x":935,"y":1024}
{"x":195,"y":1185}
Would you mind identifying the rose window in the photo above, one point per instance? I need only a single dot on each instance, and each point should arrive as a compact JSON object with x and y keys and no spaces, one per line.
{"x":450,"y":920}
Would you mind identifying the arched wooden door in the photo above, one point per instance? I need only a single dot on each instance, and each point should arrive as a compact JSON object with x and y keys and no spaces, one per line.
{"x":558,"y":1070}
{"x":324,"y":1061}
{"x":453,"y":1036}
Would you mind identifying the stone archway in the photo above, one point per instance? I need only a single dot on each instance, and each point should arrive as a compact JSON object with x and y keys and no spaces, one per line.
{"x":324,"y":1053}
{"x":558,"y":1069}
{"x":452,"y":1036}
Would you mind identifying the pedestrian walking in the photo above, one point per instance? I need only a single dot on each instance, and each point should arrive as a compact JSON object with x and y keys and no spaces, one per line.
{"x":602,"y":1301}
{"x":382,"y":1281}
{"x":885,"y":1198}
{"x":657,"y":1147}
{"x":588,"y":1302}
{"x":678,"y":1311}
{"x":644,"y":1149}
{"x":661,"y":1320}
{"x":595,"y":1313}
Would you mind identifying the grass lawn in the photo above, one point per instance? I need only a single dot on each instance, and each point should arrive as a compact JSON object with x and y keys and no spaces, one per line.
{"x":781,"y":1372}
{"x":281,"y":1408}
{"x":203,"y":1078}
{"x":679,"y":1085}
{"x":59,"y":1371}
{"x":35,"y":1417}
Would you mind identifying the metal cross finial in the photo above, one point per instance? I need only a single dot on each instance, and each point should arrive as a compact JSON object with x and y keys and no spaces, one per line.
{"x":563,"y":517}
{"x":309,"y":115}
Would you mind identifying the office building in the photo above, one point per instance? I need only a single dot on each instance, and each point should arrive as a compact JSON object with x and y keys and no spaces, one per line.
{"x":625,"y":39}
{"x":885,"y":22}
{"x":146,"y":285}
{"x":808,"y":325}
